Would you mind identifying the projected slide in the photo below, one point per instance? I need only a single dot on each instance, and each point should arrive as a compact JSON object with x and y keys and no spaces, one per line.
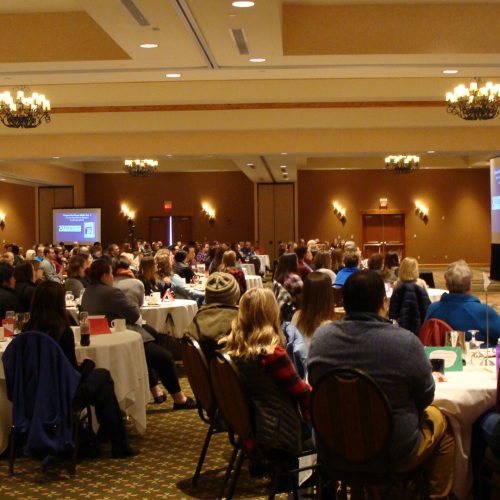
{"x":76,"y":224}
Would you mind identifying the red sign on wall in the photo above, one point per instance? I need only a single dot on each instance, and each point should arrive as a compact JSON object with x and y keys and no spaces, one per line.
{"x":167,"y":206}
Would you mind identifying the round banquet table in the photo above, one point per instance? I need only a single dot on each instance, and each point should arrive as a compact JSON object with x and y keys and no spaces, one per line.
{"x":253,"y":281}
{"x":248,"y":269}
{"x":181,"y":311}
{"x":463,"y":398}
{"x":435,"y":294}
{"x":123,"y":355}
{"x":265,"y":263}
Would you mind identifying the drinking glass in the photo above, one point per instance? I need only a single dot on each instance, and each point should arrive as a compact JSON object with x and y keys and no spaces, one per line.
{"x":69,"y":298}
{"x":84,"y":328}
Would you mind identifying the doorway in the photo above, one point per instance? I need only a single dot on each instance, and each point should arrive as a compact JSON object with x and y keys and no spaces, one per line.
{"x":170,"y":229}
{"x":383,"y":232}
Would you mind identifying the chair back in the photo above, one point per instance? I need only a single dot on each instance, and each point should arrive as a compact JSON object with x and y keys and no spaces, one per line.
{"x":433,"y":332}
{"x":198,"y":374}
{"x":256,"y":263}
{"x":352,"y":416}
{"x":428,"y":277}
{"x":338,"y":297}
{"x":230,"y":397}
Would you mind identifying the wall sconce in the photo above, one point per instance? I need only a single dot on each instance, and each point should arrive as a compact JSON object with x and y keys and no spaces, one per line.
{"x":130,"y":216}
{"x":339,"y":212}
{"x":422,"y":211}
{"x":2,"y":220}
{"x":209,"y":212}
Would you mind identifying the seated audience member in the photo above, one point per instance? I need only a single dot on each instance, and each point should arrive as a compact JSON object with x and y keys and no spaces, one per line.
{"x":366,"y":341}
{"x":48,"y":266}
{"x":461,"y":310}
{"x":317,"y":305}
{"x":391,"y":267}
{"x":351,"y":263}
{"x":273,"y":386}
{"x":163,"y":261}
{"x":30,"y":254}
{"x":190,"y":250}
{"x":181,"y":267}
{"x":213,"y":320}
{"x":39,"y":253}
{"x":179,"y":286}
{"x":409,"y":300}
{"x":101,"y":297}
{"x":25,"y":276}
{"x":337,"y":259}
{"x":8,"y":298}
{"x":8,"y":258}
{"x":323,"y":264}
{"x":302,"y":267}
{"x":148,"y":274}
{"x":287,"y":285}
{"x":236,"y":248}
{"x":258,"y":249}
{"x":124,"y":279}
{"x":48,"y":315}
{"x":76,"y":280}
{"x":376,"y":263}
{"x":202,"y":255}
{"x":229,"y":266}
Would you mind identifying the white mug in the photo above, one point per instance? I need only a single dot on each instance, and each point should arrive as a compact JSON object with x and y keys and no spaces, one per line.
{"x":119,"y":325}
{"x":2,"y":334}
{"x":76,"y":333}
{"x":155,"y":298}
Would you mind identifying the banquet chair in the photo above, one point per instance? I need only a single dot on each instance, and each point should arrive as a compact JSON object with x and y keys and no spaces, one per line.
{"x":353,"y":424}
{"x":256,"y":264}
{"x":433,"y":332}
{"x":41,"y":384}
{"x":234,"y":407}
{"x":196,"y":368}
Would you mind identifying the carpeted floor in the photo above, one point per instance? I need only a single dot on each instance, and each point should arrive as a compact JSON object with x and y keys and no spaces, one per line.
{"x":163,"y":469}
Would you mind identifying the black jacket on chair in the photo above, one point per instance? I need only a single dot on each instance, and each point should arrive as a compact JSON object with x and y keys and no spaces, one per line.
{"x":408,"y":306}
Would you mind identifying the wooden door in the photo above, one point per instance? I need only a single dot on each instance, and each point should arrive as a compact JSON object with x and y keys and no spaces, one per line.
{"x":383,"y":232}
{"x":265,"y":217}
{"x":182,"y":229}
{"x":159,"y":229}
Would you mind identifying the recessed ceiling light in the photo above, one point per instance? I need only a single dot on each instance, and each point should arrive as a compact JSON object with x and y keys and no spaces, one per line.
{"x":149,"y":45}
{"x":250,"y":164}
{"x":2,"y":179}
{"x":243,"y":4}
{"x":283,"y":167}
{"x":173,"y":75}
{"x":431,"y":152}
{"x":257,"y":60}
{"x":169,"y":156}
{"x":450,"y":71}
{"x":56,"y":157}
{"x":283,"y":153}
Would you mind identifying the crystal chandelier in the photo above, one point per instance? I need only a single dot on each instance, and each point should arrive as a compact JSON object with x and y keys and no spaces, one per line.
{"x":23,"y":112}
{"x":478,"y":102}
{"x":402,"y":164}
{"x":141,"y":168}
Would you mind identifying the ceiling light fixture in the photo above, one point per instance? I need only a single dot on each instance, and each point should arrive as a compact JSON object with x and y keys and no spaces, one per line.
{"x":450,"y":71}
{"x":431,"y":151}
{"x":478,"y":102}
{"x":149,"y":45}
{"x":141,"y":168}
{"x":173,"y":75}
{"x":23,"y":112}
{"x":257,"y":60}
{"x":243,"y":4}
{"x":402,"y":164}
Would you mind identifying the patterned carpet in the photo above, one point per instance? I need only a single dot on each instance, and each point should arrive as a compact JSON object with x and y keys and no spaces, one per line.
{"x":163,"y":469}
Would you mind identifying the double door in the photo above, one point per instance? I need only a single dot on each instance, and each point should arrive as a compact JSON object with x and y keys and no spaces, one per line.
{"x":383,"y":232}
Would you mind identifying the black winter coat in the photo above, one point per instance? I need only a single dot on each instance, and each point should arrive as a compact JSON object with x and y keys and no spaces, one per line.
{"x":409,"y":303}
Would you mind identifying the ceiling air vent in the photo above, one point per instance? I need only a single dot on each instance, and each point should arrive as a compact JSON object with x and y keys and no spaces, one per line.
{"x":135,"y":12}
{"x":238,"y":35}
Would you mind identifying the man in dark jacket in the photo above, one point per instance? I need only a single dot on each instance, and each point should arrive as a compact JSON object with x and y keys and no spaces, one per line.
{"x":395,"y":358}
{"x":8,"y":298}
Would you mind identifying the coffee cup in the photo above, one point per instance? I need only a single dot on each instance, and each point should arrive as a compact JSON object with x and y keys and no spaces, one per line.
{"x":154,"y":298}
{"x":118,"y":325}
{"x":76,"y":333}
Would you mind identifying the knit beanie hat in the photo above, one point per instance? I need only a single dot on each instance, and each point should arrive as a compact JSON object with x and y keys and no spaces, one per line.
{"x":222,"y":288}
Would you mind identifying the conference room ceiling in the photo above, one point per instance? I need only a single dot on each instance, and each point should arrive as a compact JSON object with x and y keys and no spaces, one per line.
{"x":344,"y":83}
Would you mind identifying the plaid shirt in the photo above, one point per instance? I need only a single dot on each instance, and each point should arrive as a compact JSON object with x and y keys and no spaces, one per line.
{"x":280,"y":366}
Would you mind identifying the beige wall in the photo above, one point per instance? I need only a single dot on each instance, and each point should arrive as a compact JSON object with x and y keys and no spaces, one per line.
{"x":18,"y":203}
{"x":229,"y":193}
{"x":458,"y":202}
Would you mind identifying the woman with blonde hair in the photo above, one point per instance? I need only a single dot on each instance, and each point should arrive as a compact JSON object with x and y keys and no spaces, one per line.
{"x":229,"y":266}
{"x":256,"y":345}
{"x":409,"y":300}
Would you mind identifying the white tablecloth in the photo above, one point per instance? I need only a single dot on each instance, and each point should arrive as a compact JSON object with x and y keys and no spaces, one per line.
{"x":248,"y":269}
{"x":463,"y":398}
{"x":123,"y":355}
{"x":182,"y":313}
{"x":253,"y":282}
{"x":265,"y":263}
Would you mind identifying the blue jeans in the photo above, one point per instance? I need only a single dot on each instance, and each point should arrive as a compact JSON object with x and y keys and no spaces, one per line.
{"x":490,"y":425}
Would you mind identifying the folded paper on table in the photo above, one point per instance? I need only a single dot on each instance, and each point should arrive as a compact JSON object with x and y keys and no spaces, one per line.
{"x":452,"y":357}
{"x":98,"y":325}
